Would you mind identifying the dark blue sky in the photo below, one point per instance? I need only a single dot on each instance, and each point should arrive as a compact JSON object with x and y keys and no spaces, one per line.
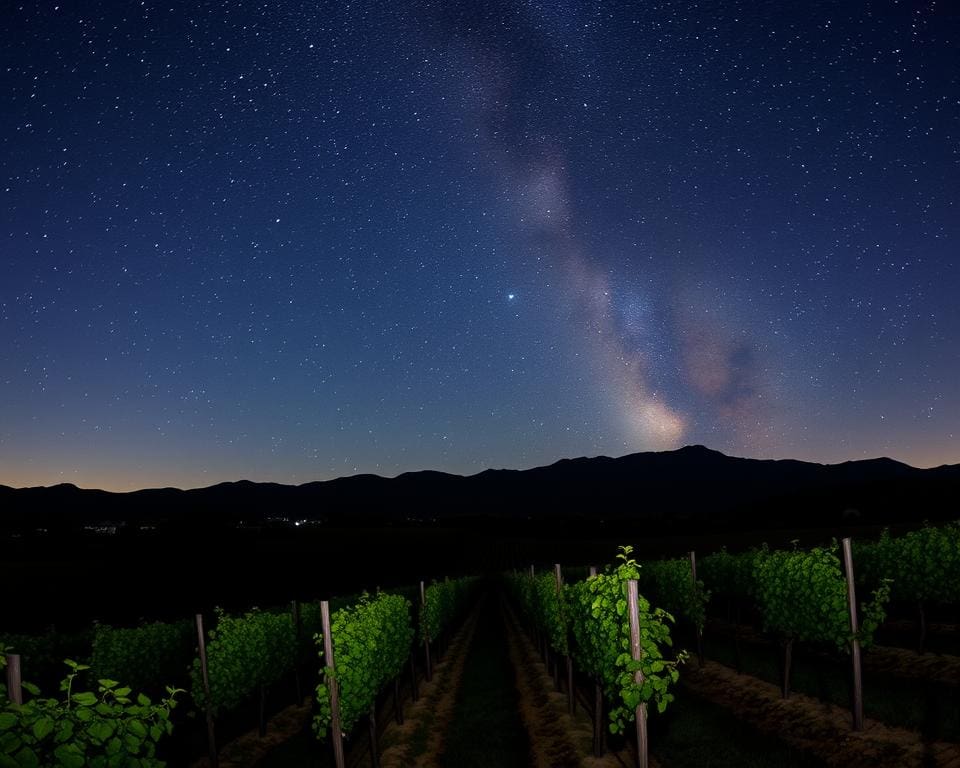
{"x":290,"y":241}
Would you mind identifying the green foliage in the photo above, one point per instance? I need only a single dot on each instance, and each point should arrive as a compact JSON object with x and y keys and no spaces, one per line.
{"x":923,"y":565}
{"x":803,"y":595}
{"x":731,"y":575}
{"x":551,"y":614}
{"x":672,"y":583}
{"x":597,"y":610}
{"x":523,"y":590}
{"x":143,"y":655}
{"x":443,"y":600}
{"x":108,"y":728}
{"x":42,"y":655}
{"x":371,"y":643}
{"x":543,"y":605}
{"x":243,"y":653}
{"x":311,"y":625}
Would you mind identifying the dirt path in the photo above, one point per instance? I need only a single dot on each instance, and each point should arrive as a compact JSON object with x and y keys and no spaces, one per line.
{"x":492,"y":702}
{"x":910,"y":665}
{"x":250,"y":748}
{"x":486,"y":728}
{"x":557,"y":739}
{"x":418,"y":743}
{"x":818,"y":727}
{"x":542,"y":709}
{"x":554,"y":739}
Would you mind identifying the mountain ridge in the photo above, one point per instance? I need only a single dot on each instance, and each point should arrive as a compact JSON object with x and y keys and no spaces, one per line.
{"x":697,"y":450}
{"x":659,"y":490}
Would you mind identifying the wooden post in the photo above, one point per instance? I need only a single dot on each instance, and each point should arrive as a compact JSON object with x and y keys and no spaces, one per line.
{"x":598,"y":748}
{"x":414,"y":688}
{"x":787,"y":662}
{"x":571,"y":699}
{"x":428,"y":672}
{"x":374,"y":749}
{"x":855,"y":643}
{"x":262,"y":725}
{"x":633,"y":611}
{"x":14,"y":679}
{"x":211,"y":736}
{"x":397,"y":708}
{"x":593,"y":571}
{"x":336,"y":733}
{"x":922,"y":622}
{"x":738,"y":656}
{"x":298,"y":632}
{"x":530,"y":622}
{"x":699,"y":630}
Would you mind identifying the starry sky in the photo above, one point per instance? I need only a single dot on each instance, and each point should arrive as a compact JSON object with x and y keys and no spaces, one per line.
{"x":290,"y":241}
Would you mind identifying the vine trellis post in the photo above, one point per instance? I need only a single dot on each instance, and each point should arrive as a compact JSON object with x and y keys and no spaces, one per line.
{"x":336,"y":733}
{"x":855,"y":641}
{"x":636,"y":651}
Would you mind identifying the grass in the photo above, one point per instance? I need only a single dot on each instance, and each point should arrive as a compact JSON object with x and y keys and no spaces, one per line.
{"x":486,"y":729}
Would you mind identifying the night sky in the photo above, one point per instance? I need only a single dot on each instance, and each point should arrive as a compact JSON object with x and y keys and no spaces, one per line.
{"x":294,"y":240}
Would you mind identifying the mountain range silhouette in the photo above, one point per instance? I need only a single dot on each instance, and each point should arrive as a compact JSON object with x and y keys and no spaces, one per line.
{"x":663,"y":490}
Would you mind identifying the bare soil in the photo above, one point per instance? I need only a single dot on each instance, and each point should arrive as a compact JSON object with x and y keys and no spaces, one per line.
{"x":418,"y":743}
{"x":558,"y":740}
{"x":816,"y":726}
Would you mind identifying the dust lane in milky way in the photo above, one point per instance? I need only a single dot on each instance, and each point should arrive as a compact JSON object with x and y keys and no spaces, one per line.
{"x":294,"y":241}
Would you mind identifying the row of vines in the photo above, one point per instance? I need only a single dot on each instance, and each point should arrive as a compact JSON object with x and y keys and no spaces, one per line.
{"x":799,"y":595}
{"x":242,"y":656}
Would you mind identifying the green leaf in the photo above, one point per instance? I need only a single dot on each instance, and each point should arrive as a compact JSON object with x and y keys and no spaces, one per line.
{"x":102,"y":729}
{"x":132,"y":743}
{"x":64,"y":731}
{"x":42,"y":728}
{"x":27,"y":758}
{"x":10,"y":743}
{"x":84,"y":699}
{"x":69,"y":756}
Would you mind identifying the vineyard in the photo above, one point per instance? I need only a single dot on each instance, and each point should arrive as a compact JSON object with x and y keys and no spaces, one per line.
{"x":845,"y":653}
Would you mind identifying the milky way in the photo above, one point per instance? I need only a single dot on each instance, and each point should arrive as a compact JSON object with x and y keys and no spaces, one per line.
{"x":296,"y":241}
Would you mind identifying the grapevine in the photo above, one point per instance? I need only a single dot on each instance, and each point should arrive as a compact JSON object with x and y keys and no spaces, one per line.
{"x":108,"y":728}
{"x":923,"y":565}
{"x":143,"y":655}
{"x":732,"y":575}
{"x":803,"y":596}
{"x":601,"y":631}
{"x":672,"y":583}
{"x":244,"y":653}
{"x":371,"y":642}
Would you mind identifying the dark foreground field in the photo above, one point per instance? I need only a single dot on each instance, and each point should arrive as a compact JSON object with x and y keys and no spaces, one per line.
{"x":68,"y":581}
{"x":494,"y":701}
